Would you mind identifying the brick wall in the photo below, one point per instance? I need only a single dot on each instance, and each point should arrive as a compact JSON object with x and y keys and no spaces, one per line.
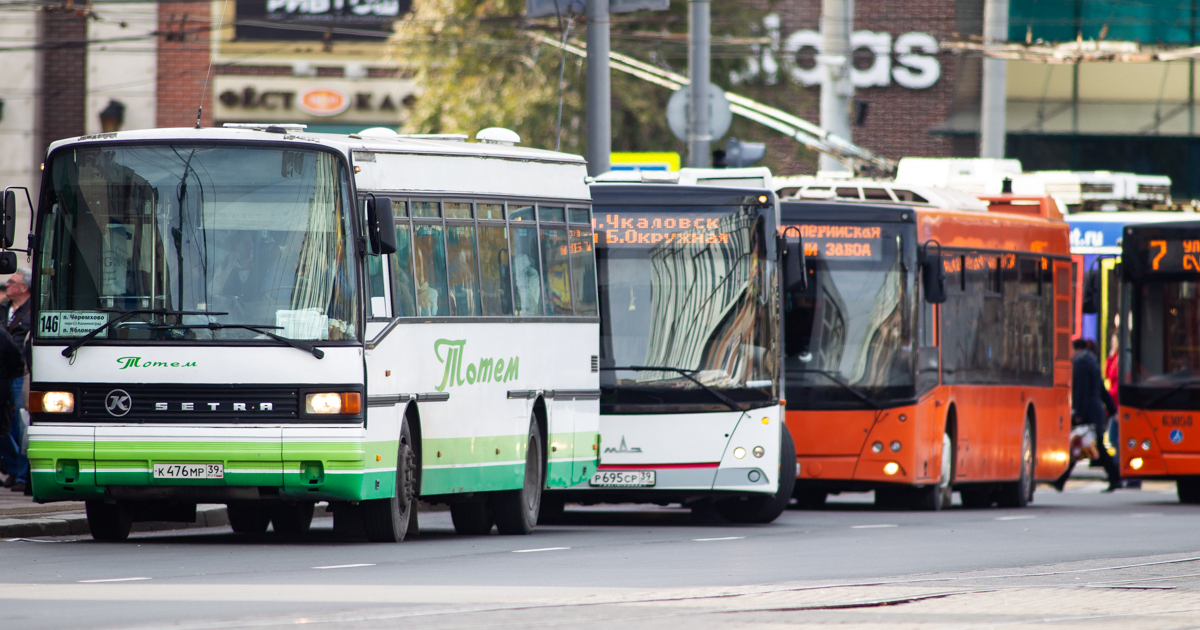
{"x":183,"y":55}
{"x":64,"y":76}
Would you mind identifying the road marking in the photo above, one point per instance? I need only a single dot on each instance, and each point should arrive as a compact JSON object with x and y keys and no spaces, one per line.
{"x":1144,"y":514}
{"x":1014,"y":518}
{"x":711,"y":539}
{"x":345,"y":566}
{"x":128,"y":579}
{"x":881,"y":526}
{"x":542,"y":549}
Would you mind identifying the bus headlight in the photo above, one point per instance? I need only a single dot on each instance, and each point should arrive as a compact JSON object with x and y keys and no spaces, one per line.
{"x":1132,"y":443}
{"x":877,"y":447}
{"x":895,"y":446}
{"x":1136,"y":463}
{"x":891,"y":468}
{"x":58,"y":402}
{"x":739,"y":452}
{"x":333,"y":403}
{"x":1145,"y":445}
{"x":758,"y":451}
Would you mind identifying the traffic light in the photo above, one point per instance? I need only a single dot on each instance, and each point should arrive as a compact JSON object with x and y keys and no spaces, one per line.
{"x":739,"y":154}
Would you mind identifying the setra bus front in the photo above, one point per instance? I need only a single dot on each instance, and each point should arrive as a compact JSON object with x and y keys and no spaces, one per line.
{"x":1159,"y":392}
{"x":198,"y":330}
{"x":689,"y":351}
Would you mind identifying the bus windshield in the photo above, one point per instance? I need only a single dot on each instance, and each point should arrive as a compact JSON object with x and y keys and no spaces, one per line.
{"x":1166,"y":326}
{"x":239,"y":236}
{"x":849,"y":335}
{"x":688,"y":289}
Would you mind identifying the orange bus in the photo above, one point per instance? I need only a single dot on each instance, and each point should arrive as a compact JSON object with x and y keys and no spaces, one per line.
{"x":1159,"y":391}
{"x":930,"y":351}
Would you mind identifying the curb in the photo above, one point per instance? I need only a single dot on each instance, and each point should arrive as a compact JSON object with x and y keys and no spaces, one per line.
{"x":75,"y":524}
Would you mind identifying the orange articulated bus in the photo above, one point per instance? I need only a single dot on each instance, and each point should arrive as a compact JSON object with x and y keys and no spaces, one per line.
{"x":930,"y":351}
{"x":1159,"y":392}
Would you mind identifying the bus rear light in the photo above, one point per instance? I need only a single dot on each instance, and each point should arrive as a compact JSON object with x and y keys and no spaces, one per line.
{"x":891,"y":468}
{"x":877,"y":447}
{"x":52,"y":402}
{"x":1145,"y":445}
{"x":333,"y":403}
{"x":1136,"y":463}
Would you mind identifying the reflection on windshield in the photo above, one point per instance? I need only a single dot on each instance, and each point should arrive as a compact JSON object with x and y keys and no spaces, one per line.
{"x":1167,"y":348}
{"x":853,"y":322}
{"x":260,"y":234}
{"x":696,"y":298}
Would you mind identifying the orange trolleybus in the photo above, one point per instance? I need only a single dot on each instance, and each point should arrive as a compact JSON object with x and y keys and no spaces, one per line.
{"x":930,"y":351}
{"x":1160,"y":354}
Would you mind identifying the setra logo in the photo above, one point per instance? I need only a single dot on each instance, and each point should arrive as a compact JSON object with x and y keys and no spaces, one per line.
{"x":623,"y":449}
{"x":324,"y":102}
{"x":118,"y":402}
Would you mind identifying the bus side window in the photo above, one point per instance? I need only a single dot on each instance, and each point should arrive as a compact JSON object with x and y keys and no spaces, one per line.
{"x":495,"y":276}
{"x":460,"y":254}
{"x":404,"y":285}
{"x":583,"y":264}
{"x":556,"y":262}
{"x":526,"y":266}
{"x":429,"y":264}
{"x":376,"y":282}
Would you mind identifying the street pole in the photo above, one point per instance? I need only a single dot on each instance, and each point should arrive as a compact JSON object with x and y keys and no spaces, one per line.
{"x":599,"y":89}
{"x":837,"y":90}
{"x":699,"y":72}
{"x":991,"y":119}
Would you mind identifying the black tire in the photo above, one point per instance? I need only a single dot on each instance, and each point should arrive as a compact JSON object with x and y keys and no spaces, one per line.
{"x":1188,"y":489}
{"x":809,"y":499}
{"x":516,"y":511}
{"x":977,"y":498}
{"x":472,"y":518}
{"x":1019,"y":493}
{"x":939,"y":495}
{"x":248,"y":517}
{"x":552,"y":511}
{"x":109,"y":522}
{"x":386,"y":520}
{"x":292,"y":518}
{"x":766,"y":508}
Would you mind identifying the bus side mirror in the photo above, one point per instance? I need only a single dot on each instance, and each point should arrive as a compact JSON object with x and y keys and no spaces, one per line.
{"x":1091,"y":292}
{"x":8,"y":262}
{"x":795,"y":273}
{"x":8,"y":221}
{"x":933,"y":279}
{"x":381,"y":225}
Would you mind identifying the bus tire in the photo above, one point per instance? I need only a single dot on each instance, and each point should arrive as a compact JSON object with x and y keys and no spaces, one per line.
{"x":937,"y":496}
{"x":1019,"y":493}
{"x":386,"y":520}
{"x":248,"y":517}
{"x":766,"y":508}
{"x":1188,"y":489}
{"x":809,"y":499}
{"x":109,"y":522}
{"x":471,"y":518}
{"x":516,"y":511}
{"x":292,"y":517}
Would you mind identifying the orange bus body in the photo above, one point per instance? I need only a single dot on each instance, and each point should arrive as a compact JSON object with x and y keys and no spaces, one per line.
{"x":986,"y":421}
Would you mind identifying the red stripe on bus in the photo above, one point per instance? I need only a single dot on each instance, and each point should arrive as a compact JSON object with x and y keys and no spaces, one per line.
{"x":656,"y":466}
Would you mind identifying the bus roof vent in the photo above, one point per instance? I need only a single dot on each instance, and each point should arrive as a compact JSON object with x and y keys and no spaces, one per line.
{"x":498,"y":135}
{"x":378,"y":132}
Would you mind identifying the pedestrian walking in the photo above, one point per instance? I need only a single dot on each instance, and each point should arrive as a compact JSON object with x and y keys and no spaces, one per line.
{"x":14,"y":310}
{"x":1091,"y":404}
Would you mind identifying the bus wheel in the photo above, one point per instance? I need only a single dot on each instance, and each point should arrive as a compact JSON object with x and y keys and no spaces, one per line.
{"x":766,"y":508}
{"x":248,"y":517}
{"x":292,"y":518}
{"x":809,"y":499}
{"x":938,"y":495}
{"x":1020,"y":492}
{"x":386,"y":520}
{"x":1188,"y":489}
{"x":109,"y":521}
{"x":516,"y":511}
{"x":472,"y":518}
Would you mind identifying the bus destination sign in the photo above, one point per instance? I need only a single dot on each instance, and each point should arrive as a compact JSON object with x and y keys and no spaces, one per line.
{"x":1173,"y":255}
{"x":644,"y":228}
{"x":830,"y":241}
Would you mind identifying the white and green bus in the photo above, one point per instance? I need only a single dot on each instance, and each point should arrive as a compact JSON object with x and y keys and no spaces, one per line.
{"x":268,"y":318}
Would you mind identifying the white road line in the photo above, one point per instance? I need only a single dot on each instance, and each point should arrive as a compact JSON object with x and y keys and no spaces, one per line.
{"x":542,"y":549}
{"x":128,"y":579}
{"x":711,"y":539}
{"x":346,"y":566}
{"x":1145,"y":514}
{"x":1014,"y":518}
{"x":881,"y":526}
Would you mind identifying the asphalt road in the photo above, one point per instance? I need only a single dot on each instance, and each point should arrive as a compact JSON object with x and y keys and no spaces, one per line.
{"x":1134,"y":555}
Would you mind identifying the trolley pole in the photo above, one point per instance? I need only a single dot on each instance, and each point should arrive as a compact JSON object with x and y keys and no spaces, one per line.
{"x":837,"y":90}
{"x":699,"y":72}
{"x":599,"y":89}
{"x":991,"y":123}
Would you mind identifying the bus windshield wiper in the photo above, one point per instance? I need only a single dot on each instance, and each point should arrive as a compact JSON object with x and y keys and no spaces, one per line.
{"x":1172,"y":391}
{"x":69,"y":351}
{"x":846,"y":386}
{"x":260,"y":329}
{"x":729,"y":402}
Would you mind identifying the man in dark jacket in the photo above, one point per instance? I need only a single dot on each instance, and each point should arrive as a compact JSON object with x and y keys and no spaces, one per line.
{"x":11,"y":365}
{"x":15,"y":312}
{"x":1087,"y":400}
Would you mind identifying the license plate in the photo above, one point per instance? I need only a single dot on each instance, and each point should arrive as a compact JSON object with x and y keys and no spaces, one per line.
{"x":623,"y":479}
{"x":189,"y":471}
